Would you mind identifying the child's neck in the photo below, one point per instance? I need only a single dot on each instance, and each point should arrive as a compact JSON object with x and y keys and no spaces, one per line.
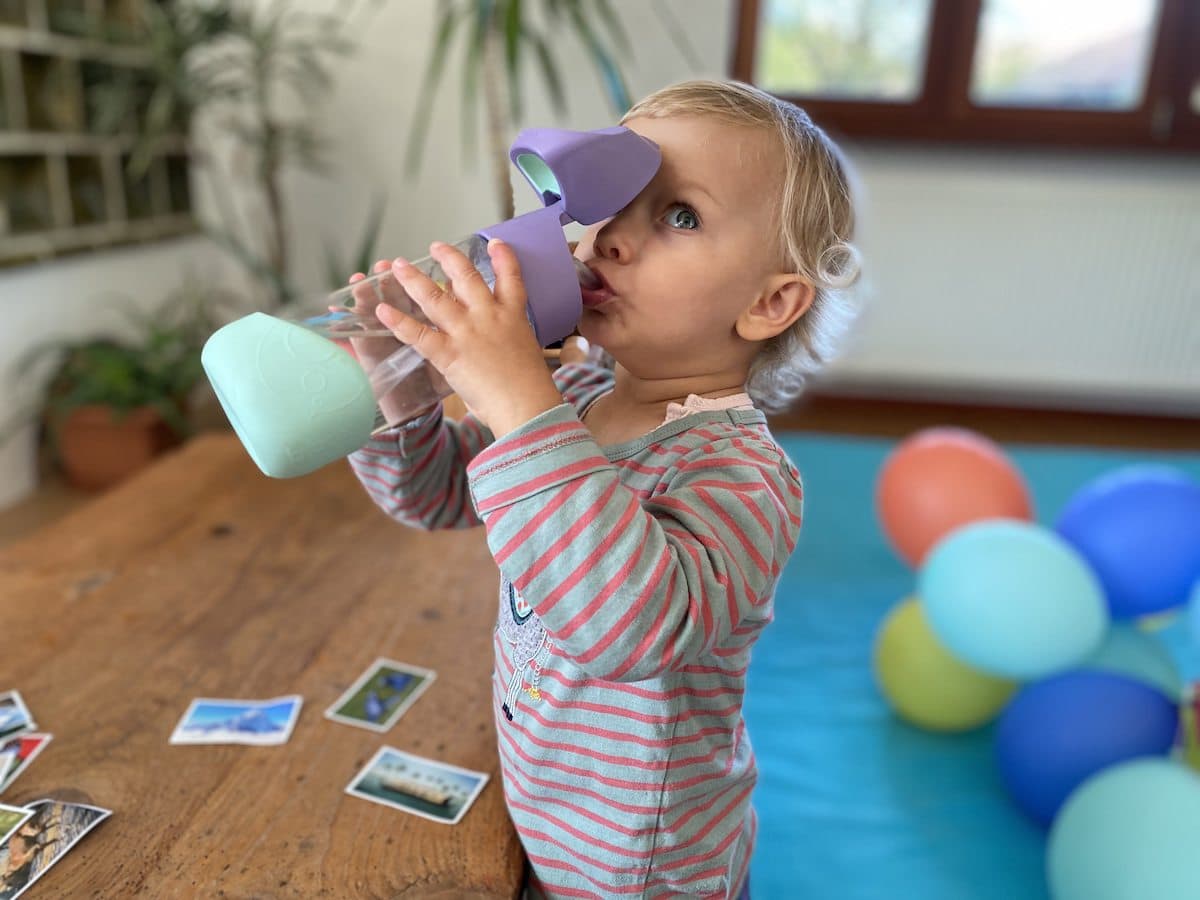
{"x":636,"y":394}
{"x":637,"y":406}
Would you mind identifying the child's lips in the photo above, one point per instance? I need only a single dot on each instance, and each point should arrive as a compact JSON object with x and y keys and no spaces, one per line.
{"x":595,"y":296}
{"x":599,"y":293}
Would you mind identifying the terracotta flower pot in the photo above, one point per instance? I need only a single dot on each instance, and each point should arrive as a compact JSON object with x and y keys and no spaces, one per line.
{"x":97,"y":449}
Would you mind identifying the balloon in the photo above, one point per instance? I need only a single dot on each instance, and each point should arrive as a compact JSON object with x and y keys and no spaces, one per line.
{"x":940,"y":479}
{"x":1057,"y":733}
{"x":1127,"y":650}
{"x":1129,"y":833}
{"x":1012,"y":599}
{"x":924,"y":684}
{"x":1139,"y":528}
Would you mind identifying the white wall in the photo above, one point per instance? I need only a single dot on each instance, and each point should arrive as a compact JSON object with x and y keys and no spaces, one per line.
{"x":1032,"y":278}
{"x":1038,"y":276}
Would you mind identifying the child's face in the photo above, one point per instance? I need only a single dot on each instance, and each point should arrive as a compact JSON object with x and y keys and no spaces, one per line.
{"x":689,"y":254}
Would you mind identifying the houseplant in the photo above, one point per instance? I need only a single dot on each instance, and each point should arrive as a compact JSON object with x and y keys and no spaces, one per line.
{"x":501,"y":38}
{"x":109,"y":404}
{"x":243,"y":81}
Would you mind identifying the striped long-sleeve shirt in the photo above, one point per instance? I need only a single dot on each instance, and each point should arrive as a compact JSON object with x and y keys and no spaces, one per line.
{"x":634,"y":580}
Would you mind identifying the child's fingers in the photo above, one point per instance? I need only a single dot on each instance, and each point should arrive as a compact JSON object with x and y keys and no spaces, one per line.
{"x":437,"y":303}
{"x":392,"y":293}
{"x":425,"y":339}
{"x":365,"y":293}
{"x":510,"y":284}
{"x":469,"y":285}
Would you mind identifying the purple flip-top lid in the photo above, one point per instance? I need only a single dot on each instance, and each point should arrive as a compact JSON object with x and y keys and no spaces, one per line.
{"x":595,"y":173}
{"x":583,"y":176}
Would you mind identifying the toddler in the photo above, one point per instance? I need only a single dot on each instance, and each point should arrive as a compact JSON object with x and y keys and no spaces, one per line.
{"x":640,"y":517}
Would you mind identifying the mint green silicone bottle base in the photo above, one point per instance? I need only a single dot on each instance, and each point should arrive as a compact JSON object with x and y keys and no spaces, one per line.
{"x":296,"y":400}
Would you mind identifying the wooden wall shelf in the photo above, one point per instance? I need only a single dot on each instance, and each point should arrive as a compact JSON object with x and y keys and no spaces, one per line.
{"x":64,"y":183}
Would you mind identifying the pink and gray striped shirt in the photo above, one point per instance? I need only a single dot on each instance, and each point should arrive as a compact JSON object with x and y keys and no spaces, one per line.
{"x":634,"y":580}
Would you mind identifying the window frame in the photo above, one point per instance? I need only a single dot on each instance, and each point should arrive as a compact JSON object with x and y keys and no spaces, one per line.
{"x":943,"y":110}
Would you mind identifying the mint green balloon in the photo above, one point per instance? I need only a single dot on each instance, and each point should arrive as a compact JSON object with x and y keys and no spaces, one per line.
{"x":1127,"y":650}
{"x":1131,"y":832}
{"x":1013,"y":599}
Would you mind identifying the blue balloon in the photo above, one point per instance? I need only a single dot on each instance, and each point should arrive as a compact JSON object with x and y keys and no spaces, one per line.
{"x":1128,"y":834}
{"x":1129,"y":651}
{"x":1012,"y":598}
{"x":1057,"y":733}
{"x":1139,"y":528}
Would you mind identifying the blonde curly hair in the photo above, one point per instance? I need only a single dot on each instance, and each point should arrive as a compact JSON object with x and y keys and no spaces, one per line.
{"x":815,"y":215}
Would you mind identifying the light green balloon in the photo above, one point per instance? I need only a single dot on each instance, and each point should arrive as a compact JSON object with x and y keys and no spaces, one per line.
{"x":1130,"y":832}
{"x":925,"y":684}
{"x":1127,"y":650}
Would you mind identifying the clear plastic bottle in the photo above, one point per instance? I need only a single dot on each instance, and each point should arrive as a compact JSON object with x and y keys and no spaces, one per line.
{"x":314,"y":382}
{"x":404,"y":385}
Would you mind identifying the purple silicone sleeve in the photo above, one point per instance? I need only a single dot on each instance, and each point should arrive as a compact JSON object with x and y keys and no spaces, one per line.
{"x":598,"y":173}
{"x":555,"y":302}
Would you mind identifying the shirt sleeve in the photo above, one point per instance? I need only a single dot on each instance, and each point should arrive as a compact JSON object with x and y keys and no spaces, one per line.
{"x":417,"y":472}
{"x":632,"y":587}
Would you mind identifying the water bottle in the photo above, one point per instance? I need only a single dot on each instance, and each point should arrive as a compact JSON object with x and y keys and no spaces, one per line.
{"x":403,"y":384}
{"x":310,"y":386}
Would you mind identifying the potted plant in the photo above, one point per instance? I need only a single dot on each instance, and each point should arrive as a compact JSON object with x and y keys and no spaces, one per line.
{"x":111,"y":404}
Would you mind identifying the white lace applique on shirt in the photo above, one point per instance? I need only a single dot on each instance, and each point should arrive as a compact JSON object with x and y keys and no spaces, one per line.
{"x":697,"y":404}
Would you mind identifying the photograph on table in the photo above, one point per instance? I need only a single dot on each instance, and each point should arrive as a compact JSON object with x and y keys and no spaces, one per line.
{"x":381,"y":695}
{"x":414,"y":784}
{"x":12,"y":818}
{"x":41,"y":841}
{"x":17,"y":752}
{"x":14,"y":714}
{"x":258,"y":722}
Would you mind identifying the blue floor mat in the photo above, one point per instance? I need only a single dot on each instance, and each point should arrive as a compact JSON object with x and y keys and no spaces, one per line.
{"x":853,"y":804}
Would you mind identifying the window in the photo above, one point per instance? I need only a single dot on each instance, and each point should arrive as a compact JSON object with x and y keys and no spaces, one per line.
{"x":1033,"y":71}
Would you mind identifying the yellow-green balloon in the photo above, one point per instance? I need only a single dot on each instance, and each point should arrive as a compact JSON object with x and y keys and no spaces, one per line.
{"x":925,"y":684}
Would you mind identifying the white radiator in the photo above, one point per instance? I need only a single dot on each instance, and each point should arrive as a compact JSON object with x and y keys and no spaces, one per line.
{"x":1031,"y":279}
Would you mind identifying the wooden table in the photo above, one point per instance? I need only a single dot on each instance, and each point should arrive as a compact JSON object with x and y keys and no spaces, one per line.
{"x":204,"y":578}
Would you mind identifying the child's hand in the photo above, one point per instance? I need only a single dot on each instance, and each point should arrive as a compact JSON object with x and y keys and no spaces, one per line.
{"x":371,"y":351}
{"x":481,"y":342}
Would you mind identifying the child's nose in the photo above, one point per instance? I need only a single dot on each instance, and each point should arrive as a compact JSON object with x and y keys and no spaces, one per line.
{"x":615,"y":240}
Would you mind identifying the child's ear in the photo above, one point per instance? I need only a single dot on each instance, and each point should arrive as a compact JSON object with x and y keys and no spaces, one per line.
{"x":784,"y":299}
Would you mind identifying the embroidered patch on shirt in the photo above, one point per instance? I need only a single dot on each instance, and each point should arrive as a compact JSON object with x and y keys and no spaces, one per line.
{"x":518,"y":605}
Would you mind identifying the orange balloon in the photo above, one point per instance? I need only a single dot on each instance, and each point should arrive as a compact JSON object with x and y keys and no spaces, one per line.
{"x":940,"y":479}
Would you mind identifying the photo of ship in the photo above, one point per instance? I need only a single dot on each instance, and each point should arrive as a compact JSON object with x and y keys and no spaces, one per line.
{"x":421,"y":786}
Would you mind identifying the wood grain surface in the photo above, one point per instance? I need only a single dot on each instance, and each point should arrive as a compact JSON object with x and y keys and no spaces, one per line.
{"x":204,"y":578}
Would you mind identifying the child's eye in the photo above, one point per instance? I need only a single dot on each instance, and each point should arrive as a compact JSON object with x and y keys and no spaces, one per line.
{"x":683,"y":217}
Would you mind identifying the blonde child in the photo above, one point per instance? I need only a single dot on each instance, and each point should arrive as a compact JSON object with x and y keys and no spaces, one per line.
{"x":640,"y":517}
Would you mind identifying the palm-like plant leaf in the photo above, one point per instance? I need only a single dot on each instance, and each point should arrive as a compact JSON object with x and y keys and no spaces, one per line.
{"x":616,"y":30}
{"x":595,"y":23}
{"x":448,"y":21}
{"x":550,"y":73}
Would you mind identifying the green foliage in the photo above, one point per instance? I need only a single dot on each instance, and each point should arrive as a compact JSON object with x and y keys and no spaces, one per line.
{"x":512,"y":23}
{"x":155,"y":362}
{"x":249,"y":73}
{"x":850,"y":48}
